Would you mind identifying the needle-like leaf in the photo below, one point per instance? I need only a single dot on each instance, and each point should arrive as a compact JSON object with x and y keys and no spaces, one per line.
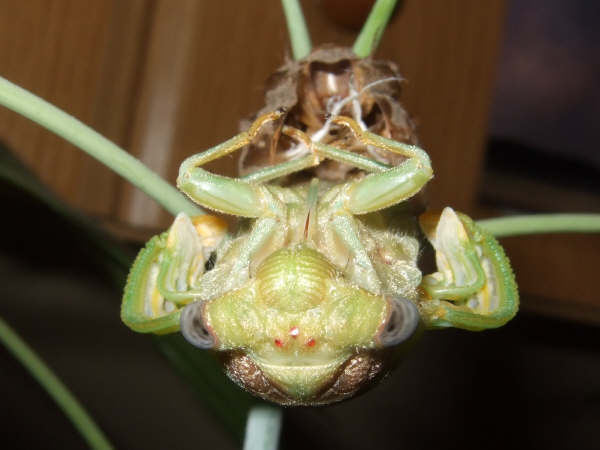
{"x":542,"y":223}
{"x":262,"y":428}
{"x":299,"y":37}
{"x":69,"y":128}
{"x":373,"y":29}
{"x":54,"y":387}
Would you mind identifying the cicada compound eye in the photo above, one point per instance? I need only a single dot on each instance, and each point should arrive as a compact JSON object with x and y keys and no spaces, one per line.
{"x":194,"y":328}
{"x":402,"y":322}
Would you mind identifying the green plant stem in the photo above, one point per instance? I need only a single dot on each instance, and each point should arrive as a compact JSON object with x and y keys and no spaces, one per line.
{"x":262,"y":428}
{"x":542,"y":223}
{"x":96,"y":145}
{"x":373,"y":29}
{"x":299,"y":37}
{"x":57,"y":390}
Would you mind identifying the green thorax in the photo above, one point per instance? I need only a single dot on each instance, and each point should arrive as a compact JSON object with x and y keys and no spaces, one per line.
{"x":294,"y":279}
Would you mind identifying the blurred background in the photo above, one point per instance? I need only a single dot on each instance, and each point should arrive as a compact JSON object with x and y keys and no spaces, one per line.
{"x":505,"y":97}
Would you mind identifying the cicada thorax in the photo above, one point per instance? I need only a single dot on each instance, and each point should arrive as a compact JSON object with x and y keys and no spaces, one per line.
{"x":331,"y":81}
{"x":320,"y":289}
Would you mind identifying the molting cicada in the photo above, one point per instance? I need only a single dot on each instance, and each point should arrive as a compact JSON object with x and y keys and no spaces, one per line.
{"x":319,"y":289}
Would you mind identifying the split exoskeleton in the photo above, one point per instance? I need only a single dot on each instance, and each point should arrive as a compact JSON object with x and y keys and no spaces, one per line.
{"x":320,"y":286}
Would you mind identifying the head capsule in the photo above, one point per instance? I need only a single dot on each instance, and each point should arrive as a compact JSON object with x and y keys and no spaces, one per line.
{"x":299,"y":332}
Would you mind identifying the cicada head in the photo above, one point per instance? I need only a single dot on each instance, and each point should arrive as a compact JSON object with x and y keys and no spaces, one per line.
{"x":299,"y":333}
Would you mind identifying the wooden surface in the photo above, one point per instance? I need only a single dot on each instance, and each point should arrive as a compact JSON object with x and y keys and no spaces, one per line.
{"x":556,"y":274}
{"x":83,"y":57}
{"x":166,"y":79}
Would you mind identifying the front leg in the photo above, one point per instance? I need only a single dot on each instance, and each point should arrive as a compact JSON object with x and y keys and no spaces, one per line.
{"x":474,"y":287}
{"x":385,"y":186}
{"x":243,"y":197}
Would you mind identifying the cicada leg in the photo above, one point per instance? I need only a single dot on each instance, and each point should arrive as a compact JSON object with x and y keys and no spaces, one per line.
{"x":474,"y":287}
{"x":165,"y":275}
{"x":243,"y":197}
{"x":389,"y":185}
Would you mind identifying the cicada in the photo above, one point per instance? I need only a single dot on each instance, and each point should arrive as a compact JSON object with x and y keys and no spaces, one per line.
{"x":319,"y":290}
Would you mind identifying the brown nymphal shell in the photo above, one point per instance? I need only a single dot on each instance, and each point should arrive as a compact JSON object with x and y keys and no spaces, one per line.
{"x":356,"y":375}
{"x":307,"y":89}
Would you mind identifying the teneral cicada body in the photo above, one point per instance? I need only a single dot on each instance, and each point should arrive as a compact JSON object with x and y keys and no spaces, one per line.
{"x":319,"y":289}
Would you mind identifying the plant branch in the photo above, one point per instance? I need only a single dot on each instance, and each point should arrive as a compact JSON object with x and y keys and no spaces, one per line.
{"x":69,"y":128}
{"x":53,"y":386}
{"x":373,"y":29}
{"x":262,"y":428}
{"x":299,"y":37}
{"x":542,"y":223}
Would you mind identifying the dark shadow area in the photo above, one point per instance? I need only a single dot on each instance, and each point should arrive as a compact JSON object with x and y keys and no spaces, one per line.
{"x":543,"y":153}
{"x":59,"y":294}
{"x":534,"y":383}
{"x":519,"y":177}
{"x":546,"y":93}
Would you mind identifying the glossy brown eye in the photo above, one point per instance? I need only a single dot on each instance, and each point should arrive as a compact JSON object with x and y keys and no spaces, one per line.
{"x":193,"y":327}
{"x":402,"y":322}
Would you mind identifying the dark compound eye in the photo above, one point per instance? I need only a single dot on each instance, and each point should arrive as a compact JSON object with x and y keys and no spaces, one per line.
{"x":210,"y":262}
{"x":193,"y":326}
{"x":402,"y":323}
